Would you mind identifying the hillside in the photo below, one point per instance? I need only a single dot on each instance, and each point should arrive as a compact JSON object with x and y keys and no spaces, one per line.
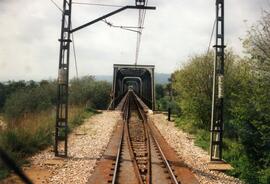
{"x":160,"y":78}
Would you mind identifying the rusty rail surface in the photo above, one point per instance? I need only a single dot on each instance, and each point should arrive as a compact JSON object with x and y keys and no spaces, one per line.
{"x":138,"y":135}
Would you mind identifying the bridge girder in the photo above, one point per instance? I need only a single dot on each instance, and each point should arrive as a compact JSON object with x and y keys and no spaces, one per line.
{"x":141,"y":77}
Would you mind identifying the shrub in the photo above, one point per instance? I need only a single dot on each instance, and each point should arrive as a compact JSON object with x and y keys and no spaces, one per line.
{"x":86,"y":91}
{"x":28,"y":101}
{"x":246,"y":112}
{"x":30,"y":113}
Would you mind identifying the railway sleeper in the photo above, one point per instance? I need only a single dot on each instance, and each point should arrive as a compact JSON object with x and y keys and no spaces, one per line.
{"x":140,"y":154}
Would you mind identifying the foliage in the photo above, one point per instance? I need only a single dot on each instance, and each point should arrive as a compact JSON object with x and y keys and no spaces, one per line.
{"x":247,"y":99}
{"x":160,"y":91}
{"x":89,"y":92}
{"x":192,"y":85}
{"x":20,"y":98}
{"x":28,"y":100}
{"x":35,"y":132}
{"x":12,"y":86}
{"x":161,"y":97}
{"x":257,"y":45}
{"x":29,"y":111}
{"x":163,"y":100}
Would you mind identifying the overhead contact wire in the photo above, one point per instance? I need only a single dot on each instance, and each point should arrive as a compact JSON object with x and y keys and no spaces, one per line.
{"x":97,"y":4}
{"x":141,"y":20}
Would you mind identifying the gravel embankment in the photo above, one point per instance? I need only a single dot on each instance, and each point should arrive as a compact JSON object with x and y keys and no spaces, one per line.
{"x":86,"y":144}
{"x":195,"y":157}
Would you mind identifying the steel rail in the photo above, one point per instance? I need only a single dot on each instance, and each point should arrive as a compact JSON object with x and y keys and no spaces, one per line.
{"x":173,"y":178}
{"x":126,"y":114}
{"x":131,"y":150}
{"x":143,"y":116}
{"x":148,"y":134}
{"x":125,"y":117}
{"x":116,"y":167}
{"x":136,"y":168}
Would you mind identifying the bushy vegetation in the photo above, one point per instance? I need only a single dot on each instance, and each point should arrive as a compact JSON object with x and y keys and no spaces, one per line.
{"x":89,"y":92}
{"x":247,"y":99}
{"x":29,"y":100}
{"x":163,"y":99}
{"x":29,"y":112}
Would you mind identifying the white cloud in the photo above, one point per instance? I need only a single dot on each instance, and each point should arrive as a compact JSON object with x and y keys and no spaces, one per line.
{"x":176,"y":30}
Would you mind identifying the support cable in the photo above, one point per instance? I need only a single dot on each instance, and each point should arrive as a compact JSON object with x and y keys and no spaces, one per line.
{"x":211,"y":37}
{"x":75,"y":55}
{"x":56,"y":5}
{"x":73,"y":41}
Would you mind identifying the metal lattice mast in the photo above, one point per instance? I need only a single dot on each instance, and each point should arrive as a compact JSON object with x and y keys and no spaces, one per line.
{"x":218,"y":87}
{"x":61,"y":126}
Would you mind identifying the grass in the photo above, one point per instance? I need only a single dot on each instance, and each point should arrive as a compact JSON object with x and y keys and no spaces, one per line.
{"x":202,"y":137}
{"x":34,"y":132}
{"x":233,"y":153}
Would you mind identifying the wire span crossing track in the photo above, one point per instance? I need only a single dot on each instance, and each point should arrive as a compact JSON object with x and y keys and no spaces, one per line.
{"x":142,"y":156}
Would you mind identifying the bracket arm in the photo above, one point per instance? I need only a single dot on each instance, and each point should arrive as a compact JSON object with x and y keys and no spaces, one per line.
{"x":110,"y":14}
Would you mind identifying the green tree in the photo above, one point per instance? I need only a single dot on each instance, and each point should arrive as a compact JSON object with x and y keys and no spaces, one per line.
{"x":87,"y":91}
{"x":193,"y":85}
{"x":257,"y":45}
{"x":160,"y":91}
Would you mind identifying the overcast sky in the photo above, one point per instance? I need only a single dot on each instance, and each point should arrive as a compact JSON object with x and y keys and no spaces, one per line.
{"x":176,"y":30}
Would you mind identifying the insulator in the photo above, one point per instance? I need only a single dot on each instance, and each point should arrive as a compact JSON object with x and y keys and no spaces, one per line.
{"x":220,"y":86}
{"x":140,"y":2}
{"x":62,"y":76}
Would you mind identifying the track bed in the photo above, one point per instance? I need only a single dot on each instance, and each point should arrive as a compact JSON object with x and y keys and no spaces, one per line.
{"x":142,"y":155}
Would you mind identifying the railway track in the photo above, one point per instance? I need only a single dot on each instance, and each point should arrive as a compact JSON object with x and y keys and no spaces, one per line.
{"x":138,"y":154}
{"x":148,"y":160}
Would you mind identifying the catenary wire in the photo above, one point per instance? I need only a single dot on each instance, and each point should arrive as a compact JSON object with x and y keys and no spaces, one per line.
{"x":127,"y":28}
{"x":141,"y":20}
{"x":97,"y":4}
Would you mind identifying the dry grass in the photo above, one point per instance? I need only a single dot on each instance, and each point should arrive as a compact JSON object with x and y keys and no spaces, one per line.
{"x":34,"y":132}
{"x":32,"y":122}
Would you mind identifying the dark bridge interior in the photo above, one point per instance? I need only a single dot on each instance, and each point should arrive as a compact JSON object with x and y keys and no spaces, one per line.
{"x":140,"y":78}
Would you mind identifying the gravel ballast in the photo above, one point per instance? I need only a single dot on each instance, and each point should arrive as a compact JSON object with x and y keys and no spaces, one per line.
{"x":86,"y":144}
{"x":194,"y":157}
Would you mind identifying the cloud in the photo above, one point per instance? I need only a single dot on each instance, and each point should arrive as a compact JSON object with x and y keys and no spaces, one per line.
{"x":177,"y":29}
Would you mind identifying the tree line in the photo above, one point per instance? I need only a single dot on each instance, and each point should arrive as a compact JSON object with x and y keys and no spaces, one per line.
{"x":247,"y":99}
{"x":28,"y":110}
{"x":18,"y":98}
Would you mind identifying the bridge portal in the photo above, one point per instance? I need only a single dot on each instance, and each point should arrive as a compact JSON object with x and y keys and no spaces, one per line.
{"x":138,"y":77}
